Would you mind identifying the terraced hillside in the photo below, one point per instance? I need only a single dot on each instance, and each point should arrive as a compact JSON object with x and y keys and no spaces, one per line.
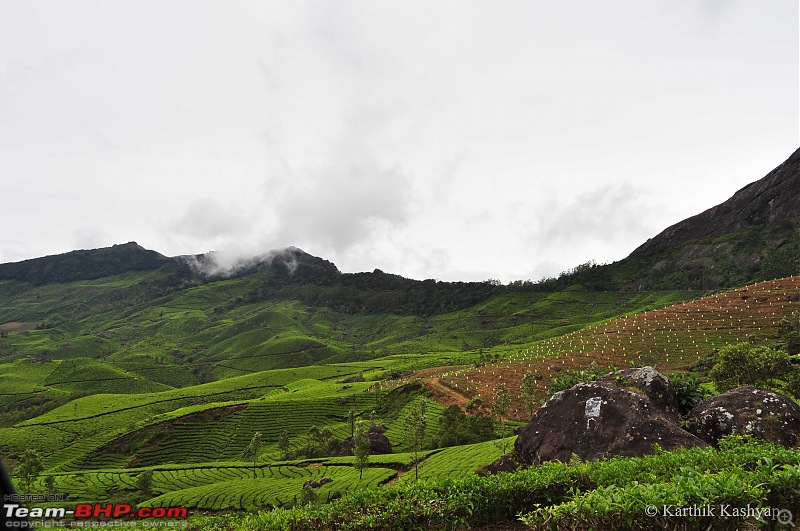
{"x":672,"y":339}
{"x":117,"y":423}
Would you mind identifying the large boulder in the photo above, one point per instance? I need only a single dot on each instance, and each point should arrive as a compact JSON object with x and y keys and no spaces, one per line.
{"x":378,"y":442}
{"x":597,"y":419}
{"x":747,"y":410}
{"x":658,"y":388}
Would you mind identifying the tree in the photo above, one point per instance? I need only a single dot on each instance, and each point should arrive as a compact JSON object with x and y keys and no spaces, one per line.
{"x":309,"y":496}
{"x":450,"y":425}
{"x":456,"y":428}
{"x":252,"y":450}
{"x":316,"y":442}
{"x":529,"y":386}
{"x":500,"y":406}
{"x":361,"y":448}
{"x":415,"y":430}
{"x":284,"y":443}
{"x":144,"y":482}
{"x":744,"y":364}
{"x":30,"y":466}
{"x":50,"y":484}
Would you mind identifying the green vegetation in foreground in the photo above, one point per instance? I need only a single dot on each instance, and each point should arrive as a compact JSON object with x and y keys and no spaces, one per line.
{"x":607,"y":494}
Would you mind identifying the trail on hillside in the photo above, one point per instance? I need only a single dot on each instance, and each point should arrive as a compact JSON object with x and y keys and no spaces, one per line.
{"x":444,"y":394}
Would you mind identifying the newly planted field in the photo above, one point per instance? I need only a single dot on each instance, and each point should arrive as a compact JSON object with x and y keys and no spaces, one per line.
{"x":673,"y":338}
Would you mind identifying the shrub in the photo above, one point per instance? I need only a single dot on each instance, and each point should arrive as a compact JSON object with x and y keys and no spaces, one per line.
{"x":689,"y":391}
{"x":744,"y":364}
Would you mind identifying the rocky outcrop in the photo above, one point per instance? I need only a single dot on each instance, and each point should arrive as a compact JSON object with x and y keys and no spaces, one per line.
{"x":775,"y":199}
{"x":747,"y":410}
{"x":597,"y":419}
{"x":656,"y":386}
{"x":505,"y":463}
{"x":378,"y":442}
{"x":311,"y":484}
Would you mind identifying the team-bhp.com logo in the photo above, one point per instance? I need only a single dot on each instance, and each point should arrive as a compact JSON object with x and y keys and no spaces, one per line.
{"x":85,"y":511}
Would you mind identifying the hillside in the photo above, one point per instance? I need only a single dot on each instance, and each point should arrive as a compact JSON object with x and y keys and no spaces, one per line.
{"x":672,"y":339}
{"x":753,"y":236}
{"x":192,"y":437}
{"x":121,"y":361}
{"x":84,"y":265}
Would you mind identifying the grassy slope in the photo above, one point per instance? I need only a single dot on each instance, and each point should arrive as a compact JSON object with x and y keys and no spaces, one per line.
{"x":153,"y":416}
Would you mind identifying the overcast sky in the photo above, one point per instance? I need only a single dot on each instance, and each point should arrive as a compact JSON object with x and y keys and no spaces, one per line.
{"x":458,"y":140}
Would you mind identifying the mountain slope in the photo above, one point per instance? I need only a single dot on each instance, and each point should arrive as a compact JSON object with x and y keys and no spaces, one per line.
{"x":84,"y":264}
{"x":754,"y":235}
{"x":751,"y":237}
{"x":774,"y":199}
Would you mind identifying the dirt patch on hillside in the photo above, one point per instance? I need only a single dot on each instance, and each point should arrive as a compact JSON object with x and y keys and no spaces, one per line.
{"x":16,"y":326}
{"x":444,"y":394}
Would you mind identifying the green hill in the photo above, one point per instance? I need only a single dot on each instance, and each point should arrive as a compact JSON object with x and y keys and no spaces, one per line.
{"x":119,"y":361}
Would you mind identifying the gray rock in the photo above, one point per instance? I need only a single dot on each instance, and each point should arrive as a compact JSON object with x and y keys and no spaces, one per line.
{"x":747,"y":410}
{"x":656,"y":386}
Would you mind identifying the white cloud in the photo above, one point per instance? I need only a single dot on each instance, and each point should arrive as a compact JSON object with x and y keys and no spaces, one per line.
{"x":452,"y":140}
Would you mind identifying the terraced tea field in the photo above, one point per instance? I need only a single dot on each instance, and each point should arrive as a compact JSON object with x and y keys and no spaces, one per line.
{"x":134,"y":401}
{"x":459,"y":461}
{"x":219,"y":486}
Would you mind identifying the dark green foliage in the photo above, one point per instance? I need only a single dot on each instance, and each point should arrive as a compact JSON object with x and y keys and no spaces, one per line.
{"x":284,"y":445}
{"x":501,"y":402}
{"x":529,"y":386}
{"x":309,"y":497}
{"x":84,"y":265}
{"x":33,"y":407}
{"x":144,"y":482}
{"x":361,"y":448}
{"x":319,"y":443}
{"x":745,"y":364}
{"x":689,"y":392}
{"x":568,"y":380}
{"x":49,"y":483}
{"x":376,"y":292}
{"x":253,"y":449}
{"x":457,"y":428}
{"x":789,"y":326}
{"x":30,"y":466}
{"x":415,"y":427}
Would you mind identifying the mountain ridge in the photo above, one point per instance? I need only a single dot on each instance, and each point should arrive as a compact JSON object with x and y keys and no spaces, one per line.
{"x":779,"y":189}
{"x":752,"y":236}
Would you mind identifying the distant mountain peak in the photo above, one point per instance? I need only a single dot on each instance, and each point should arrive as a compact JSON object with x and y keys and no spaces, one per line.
{"x":86,"y":264}
{"x":225,"y":264}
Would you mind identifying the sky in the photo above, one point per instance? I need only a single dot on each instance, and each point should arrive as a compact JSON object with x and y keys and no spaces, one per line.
{"x":455,"y":140}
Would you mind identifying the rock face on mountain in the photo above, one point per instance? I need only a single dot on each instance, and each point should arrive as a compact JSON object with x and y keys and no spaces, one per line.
{"x":747,"y":410}
{"x":754,"y":235}
{"x":595,"y":419}
{"x":773,"y":199}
